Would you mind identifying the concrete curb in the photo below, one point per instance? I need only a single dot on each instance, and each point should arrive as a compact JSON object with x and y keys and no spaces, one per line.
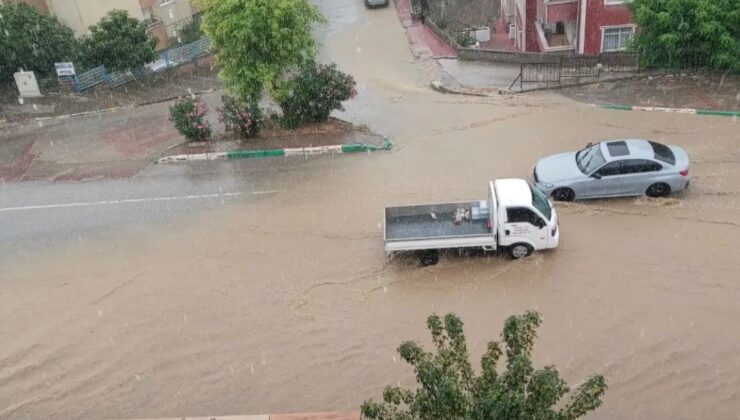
{"x":691,"y":111}
{"x":440,"y":87}
{"x":298,"y":151}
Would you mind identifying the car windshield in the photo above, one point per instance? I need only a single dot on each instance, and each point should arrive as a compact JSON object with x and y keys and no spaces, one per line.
{"x":540,"y":202}
{"x":590,"y":159}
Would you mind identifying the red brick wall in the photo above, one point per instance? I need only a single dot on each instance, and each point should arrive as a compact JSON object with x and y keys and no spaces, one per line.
{"x":533,"y":44}
{"x":597,"y":15}
{"x":562,"y":12}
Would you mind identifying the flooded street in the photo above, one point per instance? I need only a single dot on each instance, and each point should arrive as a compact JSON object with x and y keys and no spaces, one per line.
{"x":286,"y":301}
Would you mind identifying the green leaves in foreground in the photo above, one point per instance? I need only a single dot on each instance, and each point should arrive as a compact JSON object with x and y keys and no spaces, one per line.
{"x":449,"y":389}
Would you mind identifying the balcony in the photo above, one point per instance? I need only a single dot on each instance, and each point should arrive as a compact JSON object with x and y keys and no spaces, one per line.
{"x":558,"y":37}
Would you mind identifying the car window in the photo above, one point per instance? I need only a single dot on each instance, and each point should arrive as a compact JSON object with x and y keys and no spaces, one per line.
{"x":590,"y":159}
{"x":663,"y":153}
{"x":540,"y":202}
{"x":611,"y":169}
{"x":522,"y":215}
{"x":643,"y":166}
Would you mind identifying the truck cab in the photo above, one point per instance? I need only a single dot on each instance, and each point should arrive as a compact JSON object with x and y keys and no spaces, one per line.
{"x":526,"y":220}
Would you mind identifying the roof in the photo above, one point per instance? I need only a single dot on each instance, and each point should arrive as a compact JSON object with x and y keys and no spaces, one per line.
{"x":638,"y":149}
{"x":513,"y":192}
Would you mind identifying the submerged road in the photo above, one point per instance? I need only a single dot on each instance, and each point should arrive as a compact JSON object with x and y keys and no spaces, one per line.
{"x":261,"y":286}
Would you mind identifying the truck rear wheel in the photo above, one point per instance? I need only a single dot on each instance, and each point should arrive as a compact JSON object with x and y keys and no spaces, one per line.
{"x":521,"y":250}
{"x":429,"y":258}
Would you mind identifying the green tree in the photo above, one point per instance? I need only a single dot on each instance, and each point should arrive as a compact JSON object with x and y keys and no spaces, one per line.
{"x":258,"y":41}
{"x":449,"y":389}
{"x":32,"y":41}
{"x":688,"y":33}
{"x":119,"y":42}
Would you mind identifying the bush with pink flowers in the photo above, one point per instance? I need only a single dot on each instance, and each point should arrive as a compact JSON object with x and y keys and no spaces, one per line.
{"x":240,"y":117}
{"x":188,"y":115}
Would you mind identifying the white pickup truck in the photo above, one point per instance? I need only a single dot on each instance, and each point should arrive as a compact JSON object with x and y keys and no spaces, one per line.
{"x":516,"y":216}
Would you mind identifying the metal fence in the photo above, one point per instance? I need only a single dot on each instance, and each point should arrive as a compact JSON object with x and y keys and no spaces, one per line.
{"x":576,"y":66}
{"x":168,"y":59}
{"x":620,"y":61}
{"x":579,"y":66}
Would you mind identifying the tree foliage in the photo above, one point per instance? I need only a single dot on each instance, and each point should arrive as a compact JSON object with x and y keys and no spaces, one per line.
{"x":119,"y":42}
{"x":688,"y":33}
{"x":258,"y":41}
{"x":314,"y":93}
{"x":450,"y":389}
{"x":32,"y":41}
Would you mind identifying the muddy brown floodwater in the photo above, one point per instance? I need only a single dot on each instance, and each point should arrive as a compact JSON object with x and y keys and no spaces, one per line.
{"x":288,"y":303}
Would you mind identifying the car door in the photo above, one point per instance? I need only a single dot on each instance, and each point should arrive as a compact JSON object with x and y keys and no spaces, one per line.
{"x":643,"y":175}
{"x":606,"y":181}
{"x":524,"y":225}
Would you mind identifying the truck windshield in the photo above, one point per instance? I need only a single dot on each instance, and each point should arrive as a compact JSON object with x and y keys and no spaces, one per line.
{"x":590,"y":159}
{"x":540,"y":202}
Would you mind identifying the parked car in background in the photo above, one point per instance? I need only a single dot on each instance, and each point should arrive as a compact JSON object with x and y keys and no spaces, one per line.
{"x":376,"y":3}
{"x":612,"y":169}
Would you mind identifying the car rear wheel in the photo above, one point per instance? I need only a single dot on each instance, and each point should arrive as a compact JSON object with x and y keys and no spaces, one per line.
{"x":563,"y":194}
{"x":517,"y":251}
{"x":659,"y":189}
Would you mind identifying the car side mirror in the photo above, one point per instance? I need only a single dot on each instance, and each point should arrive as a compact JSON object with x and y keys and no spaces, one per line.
{"x":596,"y":175}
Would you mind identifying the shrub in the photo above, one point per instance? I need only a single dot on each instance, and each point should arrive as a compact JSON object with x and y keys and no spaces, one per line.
{"x":314,"y":93}
{"x":188,"y":114}
{"x":239,"y":117}
{"x":450,"y":389}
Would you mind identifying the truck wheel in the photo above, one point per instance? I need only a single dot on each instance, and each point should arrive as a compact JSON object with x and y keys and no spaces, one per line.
{"x":429,"y":258}
{"x":520,"y":251}
{"x":658,"y":190}
{"x":563,"y":194}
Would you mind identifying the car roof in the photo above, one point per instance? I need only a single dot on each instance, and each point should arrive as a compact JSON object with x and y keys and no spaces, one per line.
{"x":513,"y":192}
{"x":636,"y":149}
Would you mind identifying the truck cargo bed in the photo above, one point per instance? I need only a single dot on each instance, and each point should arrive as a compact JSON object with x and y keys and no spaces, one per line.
{"x":431,"y":222}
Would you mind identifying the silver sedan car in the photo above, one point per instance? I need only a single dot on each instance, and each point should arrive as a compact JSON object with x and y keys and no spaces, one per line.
{"x":612,"y":169}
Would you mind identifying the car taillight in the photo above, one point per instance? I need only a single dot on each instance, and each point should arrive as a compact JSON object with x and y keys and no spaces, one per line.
{"x":685,"y":172}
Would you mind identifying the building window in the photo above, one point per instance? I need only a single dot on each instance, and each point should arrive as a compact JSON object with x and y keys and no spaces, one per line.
{"x":615,"y":39}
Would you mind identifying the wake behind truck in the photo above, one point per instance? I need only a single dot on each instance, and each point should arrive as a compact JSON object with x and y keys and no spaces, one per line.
{"x":516,"y":216}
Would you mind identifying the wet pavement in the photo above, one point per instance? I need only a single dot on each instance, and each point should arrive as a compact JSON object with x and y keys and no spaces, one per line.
{"x":285,"y":301}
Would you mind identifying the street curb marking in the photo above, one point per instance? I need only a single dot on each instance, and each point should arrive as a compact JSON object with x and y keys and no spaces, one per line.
{"x":690,"y":111}
{"x":297,"y":151}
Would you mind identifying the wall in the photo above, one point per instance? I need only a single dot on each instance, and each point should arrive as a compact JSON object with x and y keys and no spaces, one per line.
{"x":532,"y":38}
{"x":597,"y":15}
{"x":81,"y":14}
{"x":561,"y":12}
{"x":173,"y":12}
{"x":507,"y":57}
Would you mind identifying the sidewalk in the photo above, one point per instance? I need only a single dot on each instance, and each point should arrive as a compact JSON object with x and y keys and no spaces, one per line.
{"x":184,"y":80}
{"x":297,"y":416}
{"x":424,"y":42}
{"x":694,"y":91}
